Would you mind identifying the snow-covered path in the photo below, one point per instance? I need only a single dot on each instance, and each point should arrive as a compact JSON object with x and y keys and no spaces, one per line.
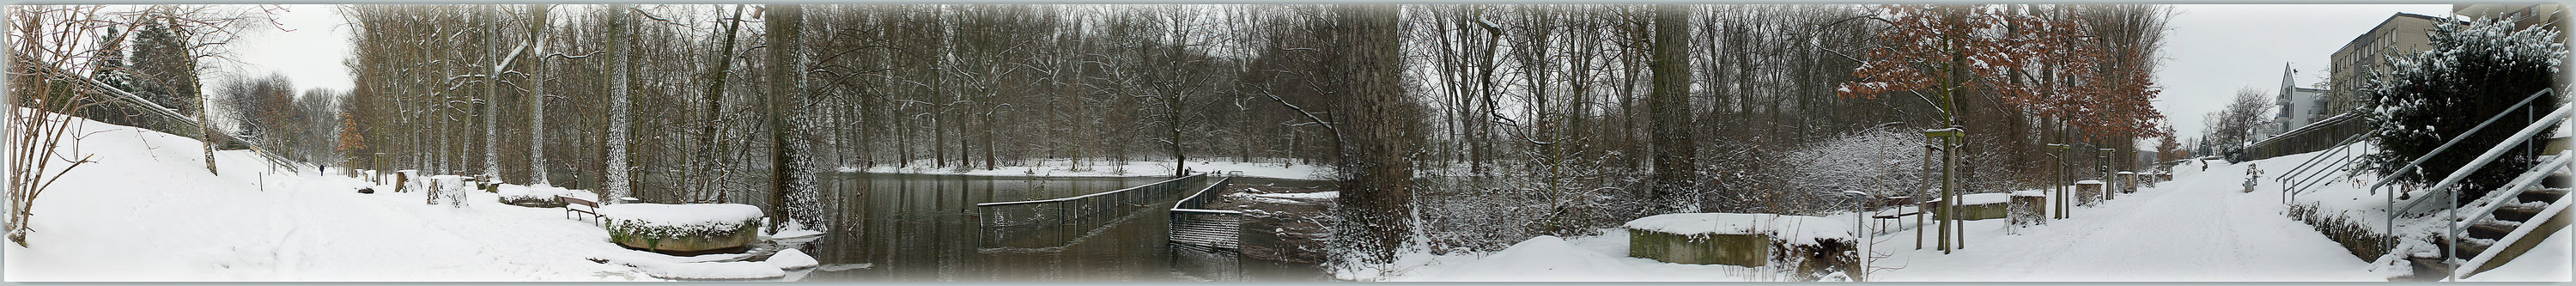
{"x":149,"y":211}
{"x":2199,"y":227}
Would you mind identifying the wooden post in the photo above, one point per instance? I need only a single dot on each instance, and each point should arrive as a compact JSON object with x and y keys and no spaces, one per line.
{"x":1948,"y":206}
{"x":2059,"y":172}
{"x":2110,"y":186}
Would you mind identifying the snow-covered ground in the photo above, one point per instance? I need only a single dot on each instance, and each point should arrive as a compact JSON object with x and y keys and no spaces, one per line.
{"x":149,"y":211}
{"x":1108,"y":168}
{"x":2199,"y":227}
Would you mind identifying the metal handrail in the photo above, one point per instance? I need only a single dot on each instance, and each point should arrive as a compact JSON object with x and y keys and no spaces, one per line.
{"x":2451,"y":227}
{"x":1077,"y":208}
{"x":2446,"y":146}
{"x":2489,"y":156}
{"x":2339,"y":147}
{"x":2489,"y":255}
{"x":1193,"y":202}
{"x":2305,"y":176}
{"x":1084,"y":195}
{"x":2513,"y":189}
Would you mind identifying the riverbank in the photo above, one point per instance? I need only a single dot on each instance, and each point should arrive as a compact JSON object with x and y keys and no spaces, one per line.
{"x":147,"y":210}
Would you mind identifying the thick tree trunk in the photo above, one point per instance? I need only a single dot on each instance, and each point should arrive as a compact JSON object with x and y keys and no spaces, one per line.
{"x":1675,"y":153}
{"x":537,"y":25}
{"x":492,"y":90}
{"x":620,"y":57}
{"x":791,"y":199}
{"x":1382,"y":132}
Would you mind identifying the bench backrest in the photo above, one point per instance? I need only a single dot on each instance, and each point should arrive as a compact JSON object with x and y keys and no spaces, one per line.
{"x":577,"y":201}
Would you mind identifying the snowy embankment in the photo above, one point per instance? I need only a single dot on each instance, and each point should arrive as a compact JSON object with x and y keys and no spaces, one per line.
{"x":1108,"y":168}
{"x":149,"y":211}
{"x":2199,"y":227}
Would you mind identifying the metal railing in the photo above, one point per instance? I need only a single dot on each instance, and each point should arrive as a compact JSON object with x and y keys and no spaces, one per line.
{"x":2443,"y":189}
{"x":1206,"y":242}
{"x":1193,"y":224}
{"x":2310,"y":173}
{"x":1003,"y":221}
{"x":1047,"y":211}
{"x":2515,"y":189}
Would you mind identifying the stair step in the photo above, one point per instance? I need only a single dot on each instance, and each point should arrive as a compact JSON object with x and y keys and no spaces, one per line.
{"x":2470,"y":248}
{"x":2492,"y":229}
{"x":2543,"y":194}
{"x":2518,"y":212}
{"x":2558,"y":180}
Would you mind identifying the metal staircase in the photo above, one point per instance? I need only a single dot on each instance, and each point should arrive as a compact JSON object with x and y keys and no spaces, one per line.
{"x":2517,"y":218}
{"x":2529,"y":205}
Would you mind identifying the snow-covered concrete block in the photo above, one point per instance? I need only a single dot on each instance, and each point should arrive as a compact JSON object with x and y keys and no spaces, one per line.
{"x":1981,"y":206}
{"x":2029,"y":207}
{"x":685,"y":227}
{"x":1734,"y":239}
{"x":2088,"y":192}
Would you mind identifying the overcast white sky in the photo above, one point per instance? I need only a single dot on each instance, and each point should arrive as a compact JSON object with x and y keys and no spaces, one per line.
{"x":2212,"y":51}
{"x":310,"y":55}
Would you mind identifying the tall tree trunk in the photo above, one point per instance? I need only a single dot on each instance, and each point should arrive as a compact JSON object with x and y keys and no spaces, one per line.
{"x":1382,"y":119}
{"x":1675,"y":154}
{"x":620,"y":58}
{"x":537,"y":25}
{"x":791,"y":191}
{"x":492,"y":89}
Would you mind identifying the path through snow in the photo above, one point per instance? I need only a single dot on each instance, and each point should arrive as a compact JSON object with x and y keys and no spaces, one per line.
{"x":2199,"y":227}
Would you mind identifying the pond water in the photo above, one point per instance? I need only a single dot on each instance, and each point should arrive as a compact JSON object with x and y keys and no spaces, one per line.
{"x":924,"y":228}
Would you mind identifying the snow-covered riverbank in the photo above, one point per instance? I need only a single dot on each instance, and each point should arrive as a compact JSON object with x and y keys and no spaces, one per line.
{"x":149,"y":211}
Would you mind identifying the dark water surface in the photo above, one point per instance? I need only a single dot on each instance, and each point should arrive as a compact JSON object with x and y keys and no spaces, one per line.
{"x":923,"y":228}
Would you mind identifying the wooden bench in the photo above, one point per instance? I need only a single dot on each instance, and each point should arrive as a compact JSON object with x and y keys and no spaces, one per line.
{"x":585,"y":206}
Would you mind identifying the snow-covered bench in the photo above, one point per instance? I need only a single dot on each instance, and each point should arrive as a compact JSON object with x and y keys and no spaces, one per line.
{"x":578,"y":205}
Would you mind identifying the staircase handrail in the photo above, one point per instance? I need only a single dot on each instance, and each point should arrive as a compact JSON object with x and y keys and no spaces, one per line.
{"x":2446,"y":145}
{"x":2301,"y":178}
{"x":2516,"y":188}
{"x":2390,"y":204}
{"x":2489,"y":255}
{"x":2489,"y":156}
{"x":2451,"y":227}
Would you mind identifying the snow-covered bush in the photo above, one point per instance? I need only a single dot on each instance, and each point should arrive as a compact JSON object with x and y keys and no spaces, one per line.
{"x":1878,"y":161}
{"x":450,"y":188}
{"x":2474,"y":70}
{"x":689,"y":227}
{"x":2344,"y":229}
